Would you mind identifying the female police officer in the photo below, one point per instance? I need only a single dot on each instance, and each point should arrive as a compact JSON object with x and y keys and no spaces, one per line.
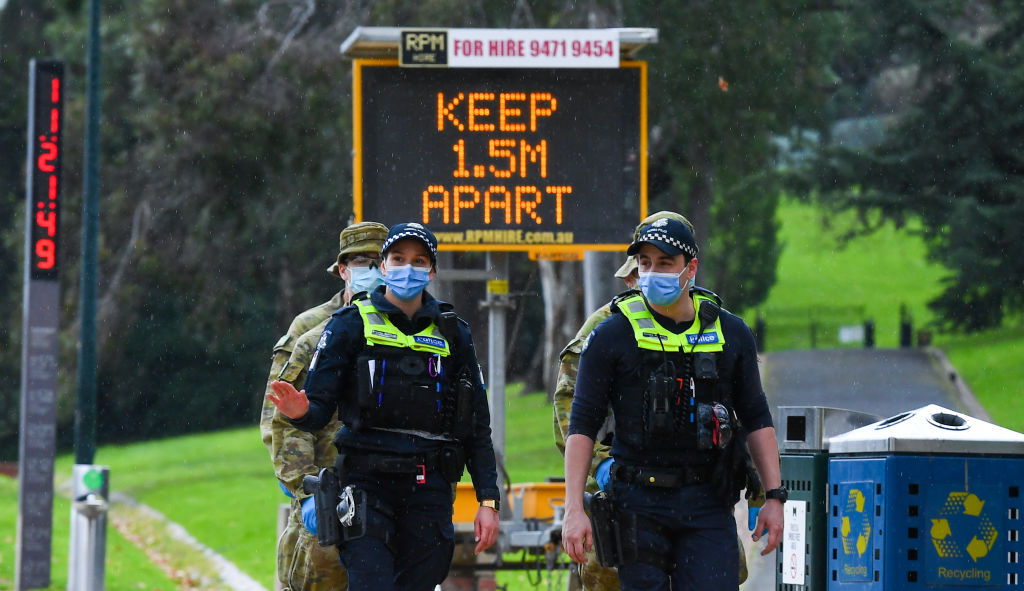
{"x":401,"y":371}
{"x":676,"y":370}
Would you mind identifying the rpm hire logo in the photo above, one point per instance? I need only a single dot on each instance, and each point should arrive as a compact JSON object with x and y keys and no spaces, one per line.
{"x":423,"y":48}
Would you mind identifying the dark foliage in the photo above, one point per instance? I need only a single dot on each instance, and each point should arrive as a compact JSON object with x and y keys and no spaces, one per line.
{"x":952,"y":154}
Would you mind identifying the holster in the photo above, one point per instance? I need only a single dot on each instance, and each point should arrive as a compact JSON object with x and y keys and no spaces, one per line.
{"x":351,"y":513}
{"x":326,"y":492}
{"x":615,"y":539}
{"x":451,"y":461}
{"x":730,"y":473}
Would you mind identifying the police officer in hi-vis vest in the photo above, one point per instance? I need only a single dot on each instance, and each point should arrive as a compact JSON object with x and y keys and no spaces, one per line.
{"x":401,"y":372}
{"x":680,"y":375}
{"x":302,"y":564}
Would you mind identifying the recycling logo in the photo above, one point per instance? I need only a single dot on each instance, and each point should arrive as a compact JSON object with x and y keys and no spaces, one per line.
{"x":856,"y":524}
{"x":963,"y":527}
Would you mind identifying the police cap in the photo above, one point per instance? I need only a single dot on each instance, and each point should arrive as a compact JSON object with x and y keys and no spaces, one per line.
{"x":667,"y":235}
{"x":630,"y":265}
{"x":415,"y":231}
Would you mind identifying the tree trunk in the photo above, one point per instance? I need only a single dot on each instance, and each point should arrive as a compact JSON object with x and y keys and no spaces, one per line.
{"x":699,"y":210}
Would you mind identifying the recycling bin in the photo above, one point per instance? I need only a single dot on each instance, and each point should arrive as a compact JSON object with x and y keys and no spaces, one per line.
{"x":803,"y":459}
{"x":926,"y":499}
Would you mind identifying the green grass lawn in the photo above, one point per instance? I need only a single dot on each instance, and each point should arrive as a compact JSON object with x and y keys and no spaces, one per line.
{"x":127,"y":568}
{"x":992,"y":364}
{"x":219,"y":486}
{"x":836,"y":284}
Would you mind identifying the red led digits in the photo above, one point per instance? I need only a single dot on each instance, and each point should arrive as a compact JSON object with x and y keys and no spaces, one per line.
{"x":49,"y":147}
{"x":46,"y":250}
{"x":48,"y":221}
{"x":44,"y":193}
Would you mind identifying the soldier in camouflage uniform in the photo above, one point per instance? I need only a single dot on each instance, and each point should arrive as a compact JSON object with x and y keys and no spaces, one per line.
{"x":594,"y":576}
{"x":302,"y":565}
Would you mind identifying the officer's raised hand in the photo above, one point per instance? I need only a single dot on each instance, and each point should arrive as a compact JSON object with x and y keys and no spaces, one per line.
{"x":291,"y":402}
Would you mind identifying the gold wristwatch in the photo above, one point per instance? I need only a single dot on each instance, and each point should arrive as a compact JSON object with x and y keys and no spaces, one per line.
{"x":492,"y":503}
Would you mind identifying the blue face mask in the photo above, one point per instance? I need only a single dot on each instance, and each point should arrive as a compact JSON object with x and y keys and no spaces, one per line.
{"x":407,"y":281}
{"x":364,"y":278}
{"x":661,"y":289}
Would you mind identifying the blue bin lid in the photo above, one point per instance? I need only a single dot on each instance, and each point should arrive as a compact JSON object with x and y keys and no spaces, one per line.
{"x":930,"y":429}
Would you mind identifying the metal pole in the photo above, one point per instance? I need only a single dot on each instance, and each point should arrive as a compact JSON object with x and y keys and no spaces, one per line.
{"x":85,"y":411}
{"x":599,"y":283}
{"x":88,"y":548}
{"x":497,"y":302}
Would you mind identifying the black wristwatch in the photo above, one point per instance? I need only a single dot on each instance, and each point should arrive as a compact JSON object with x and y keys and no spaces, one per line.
{"x":780,"y":494}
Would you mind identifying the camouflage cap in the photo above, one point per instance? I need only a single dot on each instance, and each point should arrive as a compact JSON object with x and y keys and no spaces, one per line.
{"x":361,"y":237}
{"x":630,"y":265}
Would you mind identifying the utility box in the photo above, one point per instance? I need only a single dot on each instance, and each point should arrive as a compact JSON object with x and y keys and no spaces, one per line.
{"x":803,"y":457}
{"x":927,"y":499}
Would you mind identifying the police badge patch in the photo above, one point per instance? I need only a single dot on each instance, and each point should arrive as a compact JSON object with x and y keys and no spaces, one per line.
{"x":320,"y":345}
{"x":586,"y":343}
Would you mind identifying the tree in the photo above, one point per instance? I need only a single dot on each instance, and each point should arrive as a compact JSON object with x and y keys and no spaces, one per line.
{"x":725,"y":80}
{"x":953,"y":157}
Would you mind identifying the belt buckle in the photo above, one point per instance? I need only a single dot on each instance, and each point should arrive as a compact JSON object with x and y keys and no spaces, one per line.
{"x":421,"y":473}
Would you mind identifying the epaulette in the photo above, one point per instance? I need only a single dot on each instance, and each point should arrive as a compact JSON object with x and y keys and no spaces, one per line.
{"x":703,"y":291}
{"x":614,"y":305}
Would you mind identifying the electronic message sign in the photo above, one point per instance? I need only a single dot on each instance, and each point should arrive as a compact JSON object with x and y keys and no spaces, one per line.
{"x":544,"y":160}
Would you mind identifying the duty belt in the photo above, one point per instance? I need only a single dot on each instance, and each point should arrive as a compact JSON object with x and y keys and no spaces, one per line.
{"x":385,"y":464}
{"x":662,"y":477}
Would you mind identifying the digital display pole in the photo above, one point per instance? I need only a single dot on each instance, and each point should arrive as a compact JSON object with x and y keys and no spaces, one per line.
{"x":37,"y":427}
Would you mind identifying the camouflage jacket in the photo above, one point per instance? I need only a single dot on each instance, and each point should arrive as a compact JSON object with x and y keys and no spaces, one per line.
{"x":565,"y":388}
{"x":296,"y":453}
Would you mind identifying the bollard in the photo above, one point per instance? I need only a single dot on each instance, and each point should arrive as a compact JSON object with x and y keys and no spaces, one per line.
{"x":869,"y":333}
{"x":88,"y":541}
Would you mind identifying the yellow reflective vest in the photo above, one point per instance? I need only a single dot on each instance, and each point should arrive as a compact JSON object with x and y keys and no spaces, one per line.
{"x":652,"y":336}
{"x":378,"y":330}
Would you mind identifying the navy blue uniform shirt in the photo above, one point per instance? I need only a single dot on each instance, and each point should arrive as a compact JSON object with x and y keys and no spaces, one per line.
{"x":331,"y":385}
{"x":611,"y":358}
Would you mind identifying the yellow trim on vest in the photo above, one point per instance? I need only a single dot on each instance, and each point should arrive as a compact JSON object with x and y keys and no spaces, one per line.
{"x":651,"y":335}
{"x":378,"y":330}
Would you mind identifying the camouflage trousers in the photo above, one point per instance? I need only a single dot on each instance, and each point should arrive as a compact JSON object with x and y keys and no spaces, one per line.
{"x":302,"y":564}
{"x":595,"y":577}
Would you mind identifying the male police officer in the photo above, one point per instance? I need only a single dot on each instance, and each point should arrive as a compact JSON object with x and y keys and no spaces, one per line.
{"x":594,"y":576}
{"x":401,"y":371}
{"x":677,"y":371}
{"x":302,"y":565}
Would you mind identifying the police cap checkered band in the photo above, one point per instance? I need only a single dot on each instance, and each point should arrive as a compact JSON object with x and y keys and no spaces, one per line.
{"x":411,"y":230}
{"x":667,"y":235}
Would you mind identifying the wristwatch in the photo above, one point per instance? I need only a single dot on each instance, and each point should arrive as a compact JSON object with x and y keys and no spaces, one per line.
{"x":492,"y":503}
{"x":780,"y":494}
